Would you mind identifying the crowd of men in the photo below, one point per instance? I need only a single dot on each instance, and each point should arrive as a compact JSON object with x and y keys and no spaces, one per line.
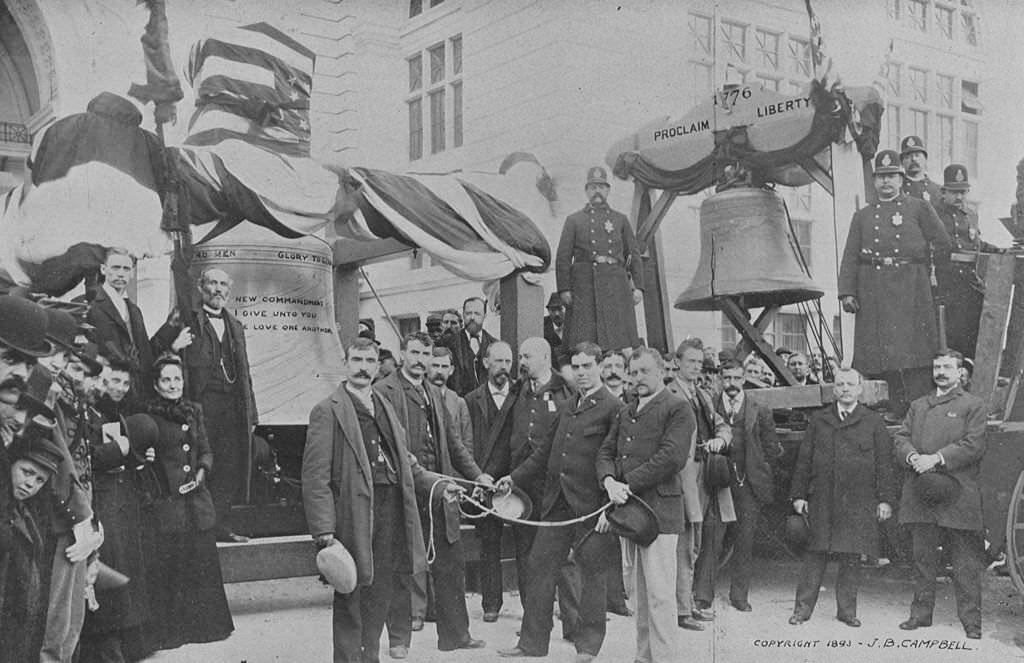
{"x":82,"y":540}
{"x":634,"y":464}
{"x":631,"y":466}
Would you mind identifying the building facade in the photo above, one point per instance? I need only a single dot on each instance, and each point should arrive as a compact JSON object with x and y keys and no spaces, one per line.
{"x":438,"y":86}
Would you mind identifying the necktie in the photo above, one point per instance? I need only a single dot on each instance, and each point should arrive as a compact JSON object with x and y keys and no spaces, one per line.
{"x":474,"y":344}
{"x":842,"y":415}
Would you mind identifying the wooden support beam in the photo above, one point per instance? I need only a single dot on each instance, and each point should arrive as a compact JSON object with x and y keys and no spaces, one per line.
{"x":995,"y":313}
{"x":752,"y":334}
{"x":657,"y":301}
{"x":645,"y":230}
{"x":522,"y":304}
{"x":813,"y":395}
{"x":346,"y":303}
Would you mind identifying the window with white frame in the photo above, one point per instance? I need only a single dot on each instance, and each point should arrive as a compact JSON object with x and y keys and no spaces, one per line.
{"x":791,"y":332}
{"x":416,"y":7}
{"x":949,"y":19}
{"x":435,"y":101}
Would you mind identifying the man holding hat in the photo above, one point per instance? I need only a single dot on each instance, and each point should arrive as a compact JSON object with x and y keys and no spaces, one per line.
{"x":916,"y":182}
{"x":884,"y":280}
{"x":596,"y":261}
{"x":359,"y":484}
{"x":565,"y":462}
{"x":843,"y":483}
{"x":940,"y":446}
{"x":959,"y":288}
{"x":642,"y":455}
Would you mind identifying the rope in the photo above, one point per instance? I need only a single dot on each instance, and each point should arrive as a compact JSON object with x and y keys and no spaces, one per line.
{"x":391,"y":321}
{"x":531,"y":523}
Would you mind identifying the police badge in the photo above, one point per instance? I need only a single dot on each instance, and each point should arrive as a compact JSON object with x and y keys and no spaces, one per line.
{"x":897,"y":219}
{"x":608,"y":227}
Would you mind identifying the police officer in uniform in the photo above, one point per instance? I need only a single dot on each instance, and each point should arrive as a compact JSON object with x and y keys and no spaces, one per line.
{"x":959,"y":287}
{"x":597,"y":256}
{"x":884,"y":280}
{"x":916,"y":182}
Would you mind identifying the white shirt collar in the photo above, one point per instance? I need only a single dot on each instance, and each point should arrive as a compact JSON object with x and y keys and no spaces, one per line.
{"x":365,"y":396}
{"x":413,"y":381}
{"x":846,"y":411}
{"x":733,"y":403}
{"x":644,"y":400}
{"x":495,"y":390}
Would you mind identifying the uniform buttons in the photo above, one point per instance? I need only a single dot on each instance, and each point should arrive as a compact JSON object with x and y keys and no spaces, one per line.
{"x":187,"y":468}
{"x":896,"y":250}
{"x":185,"y":447}
{"x":629,"y":439}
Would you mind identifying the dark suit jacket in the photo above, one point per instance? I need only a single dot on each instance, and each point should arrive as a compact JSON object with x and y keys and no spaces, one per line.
{"x":755,"y":446}
{"x":469,"y":370}
{"x":337,"y":484}
{"x":199,"y":357}
{"x":452,"y":457}
{"x":483,"y":414}
{"x":568,"y":457}
{"x":555,"y":341}
{"x":647,"y":450}
{"x":112,"y":333}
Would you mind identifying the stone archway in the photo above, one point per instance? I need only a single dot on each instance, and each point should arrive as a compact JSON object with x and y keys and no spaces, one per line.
{"x":36,"y":37}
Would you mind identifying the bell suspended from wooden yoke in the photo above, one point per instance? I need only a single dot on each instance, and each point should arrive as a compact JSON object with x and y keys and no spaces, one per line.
{"x":747,"y":251}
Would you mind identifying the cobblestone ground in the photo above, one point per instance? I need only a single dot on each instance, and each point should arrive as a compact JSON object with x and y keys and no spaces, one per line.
{"x":289,"y":620}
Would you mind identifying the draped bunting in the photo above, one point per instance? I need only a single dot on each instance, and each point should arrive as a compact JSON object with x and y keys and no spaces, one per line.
{"x":766,"y":132}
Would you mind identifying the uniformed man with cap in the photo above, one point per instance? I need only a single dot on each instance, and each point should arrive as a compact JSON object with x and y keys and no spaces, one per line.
{"x":596,"y":260}
{"x":916,"y":182}
{"x":884,"y":280}
{"x":959,"y":287}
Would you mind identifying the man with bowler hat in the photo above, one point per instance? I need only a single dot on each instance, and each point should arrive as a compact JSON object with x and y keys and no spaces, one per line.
{"x":642,"y":455}
{"x":959,"y":288}
{"x":914,"y":159}
{"x":944,"y":432}
{"x":597,"y":271}
{"x":22,"y":343}
{"x":554,"y":328}
{"x":884,"y":280}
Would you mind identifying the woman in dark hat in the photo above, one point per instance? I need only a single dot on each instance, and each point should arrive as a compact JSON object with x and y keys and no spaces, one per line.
{"x":27,"y":542}
{"x":187,"y":599}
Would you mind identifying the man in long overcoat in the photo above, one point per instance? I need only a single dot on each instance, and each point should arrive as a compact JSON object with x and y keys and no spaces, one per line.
{"x":884,"y":279}
{"x":944,"y":431}
{"x":843,"y":483}
{"x":359,"y":484}
{"x":596,"y":258}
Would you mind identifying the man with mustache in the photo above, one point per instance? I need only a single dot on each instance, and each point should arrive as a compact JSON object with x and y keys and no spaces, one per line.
{"x":613,"y":374}
{"x":217,"y":376}
{"x":360,"y":486}
{"x":944,"y":431}
{"x":643,"y":455}
{"x":527,"y":419}
{"x":884,"y":279}
{"x":554,"y":328}
{"x":754,"y":448}
{"x":916,"y":182}
{"x":421,"y":413}
{"x":469,"y":347}
{"x":598,"y":271}
{"x":119,"y":326}
{"x":489,"y":406}
{"x":22,"y":342}
{"x":959,"y":288}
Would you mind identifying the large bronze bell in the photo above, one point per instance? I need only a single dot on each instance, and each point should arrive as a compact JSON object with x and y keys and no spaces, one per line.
{"x":747,"y":250}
